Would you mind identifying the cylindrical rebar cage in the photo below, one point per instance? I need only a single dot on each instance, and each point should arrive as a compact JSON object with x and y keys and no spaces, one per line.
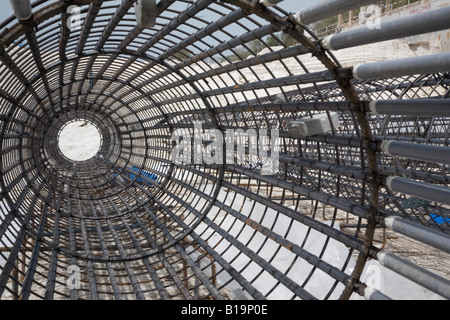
{"x":238,"y":156}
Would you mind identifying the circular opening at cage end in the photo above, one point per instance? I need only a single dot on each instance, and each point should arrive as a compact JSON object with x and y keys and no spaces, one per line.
{"x":79,"y":140}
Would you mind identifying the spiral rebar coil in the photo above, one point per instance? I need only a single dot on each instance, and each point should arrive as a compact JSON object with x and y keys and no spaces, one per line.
{"x":131,"y":223}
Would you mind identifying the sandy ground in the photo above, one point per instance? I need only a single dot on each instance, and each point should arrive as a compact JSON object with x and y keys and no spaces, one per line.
{"x":79,"y":140}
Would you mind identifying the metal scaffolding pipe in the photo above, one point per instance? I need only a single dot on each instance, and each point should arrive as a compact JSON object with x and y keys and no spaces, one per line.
{"x":418,"y":232}
{"x":199,"y":184}
{"x":433,"y":21}
{"x":410,"y":66}
{"x":374,"y":294}
{"x":327,"y":9}
{"x":413,"y":107}
{"x":270,"y":3}
{"x":145,"y":11}
{"x":428,"y":280}
{"x":419,"y":189}
{"x":22,"y":9}
{"x":416,"y":151}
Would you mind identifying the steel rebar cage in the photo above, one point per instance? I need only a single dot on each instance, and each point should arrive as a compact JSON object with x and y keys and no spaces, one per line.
{"x":362,"y":154}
